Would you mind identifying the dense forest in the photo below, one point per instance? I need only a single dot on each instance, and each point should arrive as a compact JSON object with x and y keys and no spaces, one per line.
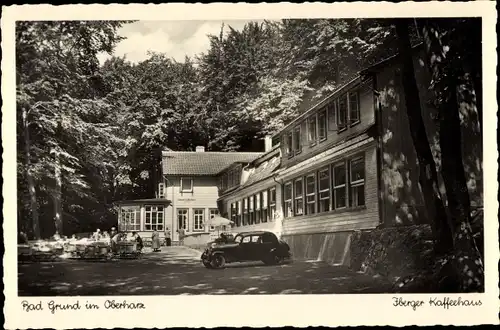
{"x":90,"y":134}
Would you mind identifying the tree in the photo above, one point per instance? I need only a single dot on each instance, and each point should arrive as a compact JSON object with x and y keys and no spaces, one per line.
{"x":59,"y":114}
{"x":428,"y":177}
{"x":445,"y":65}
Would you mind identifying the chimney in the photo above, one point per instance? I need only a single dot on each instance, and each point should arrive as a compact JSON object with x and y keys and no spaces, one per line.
{"x":268,"y":143}
{"x":200,"y":149}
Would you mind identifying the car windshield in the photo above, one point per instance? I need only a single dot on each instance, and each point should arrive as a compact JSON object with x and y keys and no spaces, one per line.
{"x":238,"y":238}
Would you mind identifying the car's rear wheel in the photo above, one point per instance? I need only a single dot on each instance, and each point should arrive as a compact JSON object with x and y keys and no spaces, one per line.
{"x":273,"y":259}
{"x":218,"y":261}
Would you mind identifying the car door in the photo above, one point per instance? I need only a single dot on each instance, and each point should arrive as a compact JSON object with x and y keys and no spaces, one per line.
{"x":245,"y":248}
{"x":255,"y":248}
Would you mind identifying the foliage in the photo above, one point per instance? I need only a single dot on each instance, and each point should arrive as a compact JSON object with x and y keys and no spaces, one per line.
{"x":67,"y":127}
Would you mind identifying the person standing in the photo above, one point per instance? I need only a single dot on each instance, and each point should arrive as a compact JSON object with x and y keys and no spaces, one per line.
{"x":138,"y":240}
{"x":22,"y":238}
{"x":182,"y":233}
{"x":168,"y":240}
{"x":155,"y":238}
{"x":97,"y":235}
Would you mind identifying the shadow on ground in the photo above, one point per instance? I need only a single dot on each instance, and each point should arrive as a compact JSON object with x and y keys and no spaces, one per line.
{"x":178,"y":271}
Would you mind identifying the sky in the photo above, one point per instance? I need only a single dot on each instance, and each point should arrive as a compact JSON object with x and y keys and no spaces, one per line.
{"x":174,"y":38}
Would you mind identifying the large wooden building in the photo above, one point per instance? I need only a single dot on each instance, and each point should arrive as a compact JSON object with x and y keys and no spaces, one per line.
{"x":347,"y":163}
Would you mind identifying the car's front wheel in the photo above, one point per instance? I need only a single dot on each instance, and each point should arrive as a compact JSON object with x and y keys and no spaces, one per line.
{"x":218,"y":261}
{"x":207,"y":264}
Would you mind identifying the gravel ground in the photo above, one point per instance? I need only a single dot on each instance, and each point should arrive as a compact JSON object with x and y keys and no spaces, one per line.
{"x":178,"y":270}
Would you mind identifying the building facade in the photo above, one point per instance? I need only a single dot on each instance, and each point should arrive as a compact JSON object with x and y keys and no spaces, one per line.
{"x":329,"y":174}
{"x":191,"y":183}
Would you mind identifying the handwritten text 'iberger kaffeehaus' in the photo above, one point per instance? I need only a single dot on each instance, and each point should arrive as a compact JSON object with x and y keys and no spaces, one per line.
{"x":441,"y":302}
{"x":54,"y":307}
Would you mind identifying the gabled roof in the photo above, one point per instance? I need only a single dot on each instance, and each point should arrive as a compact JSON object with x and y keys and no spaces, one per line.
{"x":262,"y":168}
{"x":202,"y":163}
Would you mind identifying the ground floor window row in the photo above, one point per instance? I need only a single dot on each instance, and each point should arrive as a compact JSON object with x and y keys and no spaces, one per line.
{"x":197,"y":223}
{"x":254,"y":209}
{"x":153,"y":218}
{"x":337,"y":186}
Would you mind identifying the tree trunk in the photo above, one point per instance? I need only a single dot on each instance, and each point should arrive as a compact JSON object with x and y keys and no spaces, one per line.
{"x":436,"y":212}
{"x":58,"y":221}
{"x":467,"y":260}
{"x":31,"y":183}
{"x":57,"y":195}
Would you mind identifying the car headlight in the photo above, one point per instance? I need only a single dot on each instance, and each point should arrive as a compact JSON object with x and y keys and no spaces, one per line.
{"x":213,"y":245}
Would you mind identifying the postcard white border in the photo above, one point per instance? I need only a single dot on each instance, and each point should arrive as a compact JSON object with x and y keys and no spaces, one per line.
{"x":251,"y":310}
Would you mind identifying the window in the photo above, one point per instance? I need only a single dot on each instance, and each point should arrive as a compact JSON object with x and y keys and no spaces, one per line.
{"x":287,"y":194}
{"x":199,"y":219}
{"x":246,"y":239}
{"x":311,"y":194}
{"x":287,"y":148}
{"x":257,"y":208}
{"x":224,"y":181}
{"x":230,"y":179}
{"x":236,"y":177}
{"x":324,"y":190}
{"x":154,"y":217}
{"x":272,"y":204}
{"x":234,"y":213}
{"x":250,"y":210}
{"x":289,"y":144}
{"x":332,"y":113}
{"x":245,"y":212}
{"x":255,"y":239}
{"x":339,"y":186}
{"x":299,"y":196}
{"x":220,"y":182}
{"x":357,"y":182}
{"x":311,"y":124}
{"x":297,"y":145}
{"x":213,"y":213}
{"x":182,"y":219}
{"x":342,"y":112}
{"x":322,"y":125}
{"x":130,"y":219}
{"x":161,"y":190}
{"x":187,"y":184}
{"x":239,"y":218}
{"x":353,"y":108}
{"x":264,"y":206}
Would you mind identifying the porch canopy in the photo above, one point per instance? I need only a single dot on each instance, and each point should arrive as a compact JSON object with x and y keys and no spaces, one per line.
{"x":142,"y":215}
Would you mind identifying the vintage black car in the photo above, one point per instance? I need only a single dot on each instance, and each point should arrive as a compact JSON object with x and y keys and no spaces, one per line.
{"x":249,"y":246}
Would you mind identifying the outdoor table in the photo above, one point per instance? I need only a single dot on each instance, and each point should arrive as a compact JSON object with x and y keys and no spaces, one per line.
{"x":127,"y":249}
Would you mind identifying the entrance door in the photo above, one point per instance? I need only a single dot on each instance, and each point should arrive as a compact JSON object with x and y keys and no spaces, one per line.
{"x":182,"y":222}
